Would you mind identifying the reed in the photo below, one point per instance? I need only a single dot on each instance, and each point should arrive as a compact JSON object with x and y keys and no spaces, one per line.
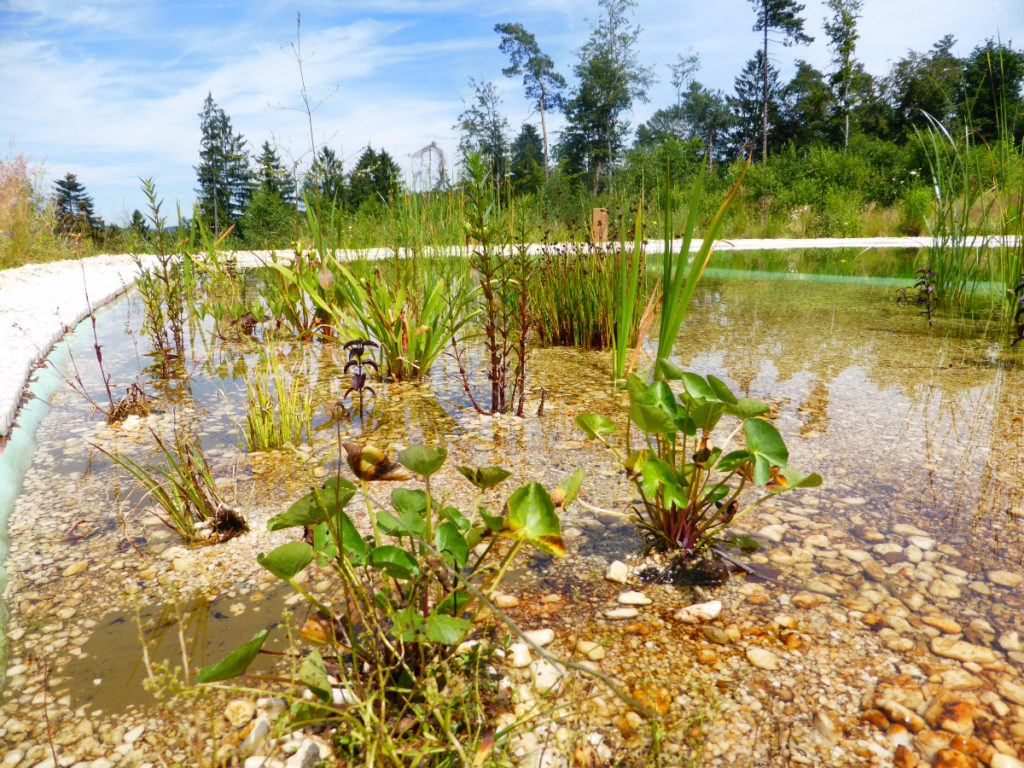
{"x":279,"y":408}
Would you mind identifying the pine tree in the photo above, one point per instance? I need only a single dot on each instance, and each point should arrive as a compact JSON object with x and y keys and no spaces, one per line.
{"x":271,"y":176}
{"x":527,"y":156}
{"x":543,"y":84}
{"x":325,"y":182}
{"x":74,"y":208}
{"x":225,"y":181}
{"x":781,"y":16}
{"x":375,"y":178}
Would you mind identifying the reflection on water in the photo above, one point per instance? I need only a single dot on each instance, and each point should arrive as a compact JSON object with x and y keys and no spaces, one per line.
{"x":924,"y":424}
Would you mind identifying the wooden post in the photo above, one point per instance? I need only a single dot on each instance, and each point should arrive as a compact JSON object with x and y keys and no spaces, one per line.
{"x":599,"y":225}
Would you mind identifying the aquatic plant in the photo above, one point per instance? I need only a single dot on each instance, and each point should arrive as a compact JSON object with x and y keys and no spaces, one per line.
{"x":505,"y":291}
{"x":690,"y":488}
{"x":358,"y":366}
{"x":184,"y":489}
{"x":925,"y":294}
{"x":279,"y":408}
{"x":407,"y":598}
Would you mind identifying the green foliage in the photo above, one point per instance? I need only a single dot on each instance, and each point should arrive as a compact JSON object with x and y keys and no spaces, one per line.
{"x":410,"y":600}
{"x":74,"y":208}
{"x":279,"y":408}
{"x":28,"y":222}
{"x":225,"y":181}
{"x":690,"y":487}
{"x":375,"y":178}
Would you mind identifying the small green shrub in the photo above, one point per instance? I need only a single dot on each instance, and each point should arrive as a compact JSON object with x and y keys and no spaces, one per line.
{"x":915,"y":210}
{"x":28,"y":230}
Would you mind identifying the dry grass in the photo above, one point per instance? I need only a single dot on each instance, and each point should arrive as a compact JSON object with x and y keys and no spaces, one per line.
{"x":27,"y":221}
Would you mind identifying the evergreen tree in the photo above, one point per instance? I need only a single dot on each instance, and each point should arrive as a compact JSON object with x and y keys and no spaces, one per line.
{"x":805,"y":110}
{"x":610,"y":78}
{"x":485,"y":130}
{"x":325,"y":182}
{"x":708,"y":117}
{"x":138,"y":224}
{"x":781,"y":16}
{"x":225,"y":181}
{"x":271,"y":176}
{"x":755,"y":103}
{"x":527,"y":159}
{"x":74,"y":208}
{"x":842,"y":34}
{"x":543,"y":85}
{"x":376,"y":177}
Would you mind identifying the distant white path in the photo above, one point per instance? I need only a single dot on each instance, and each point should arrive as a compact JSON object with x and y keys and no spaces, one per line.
{"x":39,"y":302}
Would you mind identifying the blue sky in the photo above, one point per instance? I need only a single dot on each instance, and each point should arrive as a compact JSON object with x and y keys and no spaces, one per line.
{"x":111,"y":89}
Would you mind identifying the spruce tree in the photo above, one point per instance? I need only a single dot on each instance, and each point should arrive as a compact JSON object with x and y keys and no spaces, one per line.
{"x":225,"y":181}
{"x":375,"y":178}
{"x":74,"y":208}
{"x":271,"y":176}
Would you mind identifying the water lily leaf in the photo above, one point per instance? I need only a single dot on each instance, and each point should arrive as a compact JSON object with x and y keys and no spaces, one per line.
{"x":236,"y":662}
{"x":313,"y":673}
{"x":651,"y":419}
{"x":595,"y":424}
{"x":484,"y":477}
{"x":449,"y":540}
{"x":406,"y":500}
{"x":569,"y":489}
{"x":531,"y":517}
{"x":765,"y":442}
{"x":446,"y":629}
{"x":422,"y":460}
{"x":287,"y":560}
{"x":395,"y":562}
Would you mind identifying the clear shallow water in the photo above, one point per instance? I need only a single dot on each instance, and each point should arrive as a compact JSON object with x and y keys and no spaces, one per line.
{"x":920,"y":426}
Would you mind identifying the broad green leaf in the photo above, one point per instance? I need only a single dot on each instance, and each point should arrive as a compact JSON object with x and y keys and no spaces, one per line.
{"x":323,"y":543}
{"x":698,"y":387}
{"x":663,"y":369}
{"x":395,"y":562}
{"x":658,"y":475}
{"x":313,"y":673}
{"x":765,"y":442}
{"x":569,"y":489}
{"x":721,"y":390}
{"x":717,"y":493}
{"x":748,"y":407}
{"x":452,"y":514}
{"x":476,"y":534}
{"x":595,"y":424}
{"x":531,"y":517}
{"x":422,"y":460}
{"x":495,"y":522}
{"x":484,"y":477}
{"x":659,"y":395}
{"x":236,"y":662}
{"x":446,"y":629}
{"x":406,"y":524}
{"x":352,"y":542}
{"x":636,"y":387}
{"x":796,"y":479}
{"x":287,"y":560}
{"x":651,"y":419}
{"x":406,"y":623}
{"x":406,"y":500}
{"x":448,"y":539}
{"x":315,"y":506}
{"x":732,"y":460}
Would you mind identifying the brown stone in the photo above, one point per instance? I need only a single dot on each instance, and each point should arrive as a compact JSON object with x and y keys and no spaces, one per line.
{"x":868,"y":533}
{"x":637,"y":628}
{"x":950,"y":758}
{"x":905,"y":758}
{"x":873,"y":570}
{"x":905,"y":716}
{"x":874,"y":620}
{"x":943,"y":624}
{"x":876,"y":718}
{"x":930,"y":743}
{"x":806,"y":600}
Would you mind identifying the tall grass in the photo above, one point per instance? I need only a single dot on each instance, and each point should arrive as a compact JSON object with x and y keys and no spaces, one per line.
{"x":28,"y":224}
{"x":279,"y":408}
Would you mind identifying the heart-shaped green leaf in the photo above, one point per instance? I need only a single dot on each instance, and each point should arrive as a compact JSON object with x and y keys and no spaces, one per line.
{"x":287,"y":560}
{"x":484,"y":477}
{"x":313,"y":673}
{"x":651,"y":419}
{"x":765,"y":442}
{"x":447,"y":630}
{"x":395,"y":562}
{"x":422,"y":460}
{"x":721,"y":390}
{"x":732,"y":460}
{"x":449,"y":540}
{"x":408,"y":501}
{"x":569,"y":489}
{"x":748,"y":407}
{"x":236,"y":662}
{"x":636,"y":387}
{"x":663,"y":369}
{"x":697,"y":387}
{"x":452,"y":514}
{"x":495,"y":522}
{"x":595,"y":424}
{"x":796,"y":479}
{"x":314,"y":507}
{"x":531,"y":517}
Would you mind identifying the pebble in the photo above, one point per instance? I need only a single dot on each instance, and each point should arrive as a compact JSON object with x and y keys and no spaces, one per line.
{"x":76,"y":568}
{"x":519,"y":655}
{"x":590,"y":649}
{"x":961,"y":650}
{"x":501,"y":600}
{"x":618,"y":572}
{"x":240,"y":711}
{"x":634,"y":598}
{"x":626,"y":612}
{"x":763,"y":658}
{"x":699,"y":612}
{"x":1011,"y":691}
{"x":999,"y":760}
{"x":942,"y":588}
{"x":1010,"y":641}
{"x":545,"y":675}
{"x":1005,"y":578}
{"x":540,"y":637}
{"x":773,"y":533}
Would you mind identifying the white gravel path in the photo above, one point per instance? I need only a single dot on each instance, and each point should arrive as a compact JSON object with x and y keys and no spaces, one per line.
{"x":38,"y":302}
